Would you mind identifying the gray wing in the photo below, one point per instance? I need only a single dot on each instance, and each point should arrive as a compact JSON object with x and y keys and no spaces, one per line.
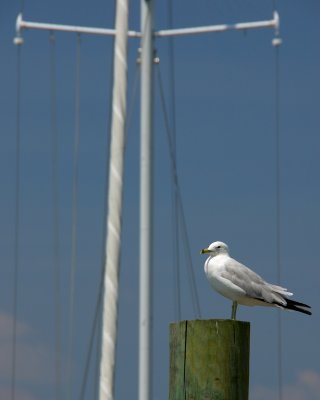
{"x":252,"y":283}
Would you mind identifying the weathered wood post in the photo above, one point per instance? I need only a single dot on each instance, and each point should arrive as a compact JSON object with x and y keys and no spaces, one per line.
{"x":209,"y":360}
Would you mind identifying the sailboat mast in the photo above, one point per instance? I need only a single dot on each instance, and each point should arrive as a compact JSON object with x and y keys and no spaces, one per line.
{"x":146,"y":231}
{"x":115,"y":194}
{"x":110,"y":302}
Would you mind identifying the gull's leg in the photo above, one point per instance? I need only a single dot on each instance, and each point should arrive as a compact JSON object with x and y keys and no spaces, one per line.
{"x":234,"y":310}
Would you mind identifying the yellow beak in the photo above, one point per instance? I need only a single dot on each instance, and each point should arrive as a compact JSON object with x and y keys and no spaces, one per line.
{"x":203,"y":251}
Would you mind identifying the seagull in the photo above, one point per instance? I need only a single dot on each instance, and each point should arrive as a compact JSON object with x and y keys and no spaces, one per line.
{"x":240,"y":284}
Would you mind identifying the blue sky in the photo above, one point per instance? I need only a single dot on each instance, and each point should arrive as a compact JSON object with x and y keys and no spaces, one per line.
{"x":226,"y":154}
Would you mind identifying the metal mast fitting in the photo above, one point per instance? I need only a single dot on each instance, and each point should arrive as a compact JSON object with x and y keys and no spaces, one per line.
{"x":21,"y":24}
{"x":277,"y":41}
{"x":272,"y":23}
{"x":18,"y":40}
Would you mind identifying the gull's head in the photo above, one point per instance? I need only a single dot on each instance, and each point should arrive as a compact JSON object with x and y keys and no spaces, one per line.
{"x":215,"y":249}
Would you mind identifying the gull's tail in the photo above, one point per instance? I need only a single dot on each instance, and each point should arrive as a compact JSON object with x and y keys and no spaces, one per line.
{"x":296,"y":306}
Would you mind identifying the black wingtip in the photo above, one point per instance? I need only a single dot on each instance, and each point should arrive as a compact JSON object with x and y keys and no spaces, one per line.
{"x":291,"y":305}
{"x":296,"y":303}
{"x":296,"y":306}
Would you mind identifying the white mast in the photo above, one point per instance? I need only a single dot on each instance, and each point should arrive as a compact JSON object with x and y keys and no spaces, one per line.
{"x":146,"y":231}
{"x":110,"y":302}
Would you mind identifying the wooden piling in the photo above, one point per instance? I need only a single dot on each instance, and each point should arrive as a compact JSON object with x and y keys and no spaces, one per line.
{"x":209,"y":360}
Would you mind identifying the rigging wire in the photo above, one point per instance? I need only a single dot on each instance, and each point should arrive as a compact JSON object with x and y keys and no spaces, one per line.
{"x":94,"y":326}
{"x":98,"y":356}
{"x":22,"y":6}
{"x":184,"y":230}
{"x":73,"y":265}
{"x":55,"y":215}
{"x":97,"y":362}
{"x":278,"y":217}
{"x":16,"y":240}
{"x":276,"y":43}
{"x":175,"y":214}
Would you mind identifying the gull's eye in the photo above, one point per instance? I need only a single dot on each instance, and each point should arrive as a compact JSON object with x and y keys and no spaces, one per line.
{"x":218,"y":247}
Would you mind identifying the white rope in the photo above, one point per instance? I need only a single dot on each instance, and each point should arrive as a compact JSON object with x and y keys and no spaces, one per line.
{"x":110,"y":305}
